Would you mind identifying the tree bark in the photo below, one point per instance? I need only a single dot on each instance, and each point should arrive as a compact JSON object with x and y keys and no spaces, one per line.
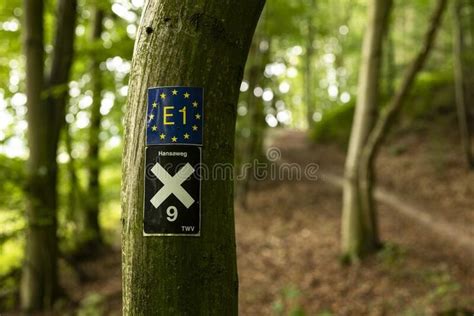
{"x":46,"y":104}
{"x":359,"y":225}
{"x":204,"y":43}
{"x":378,"y":133}
{"x":463,"y":64}
{"x":91,"y":228}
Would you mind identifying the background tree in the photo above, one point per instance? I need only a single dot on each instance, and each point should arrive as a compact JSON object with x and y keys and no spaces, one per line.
{"x":309,"y":83}
{"x":464,"y":78}
{"x":46,"y":107}
{"x":257,"y":60}
{"x":184,"y":269}
{"x":276,"y":25}
{"x":91,"y":228}
{"x":359,"y":227}
{"x":379,"y":131}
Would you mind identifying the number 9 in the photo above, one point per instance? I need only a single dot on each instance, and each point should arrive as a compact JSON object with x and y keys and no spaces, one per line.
{"x":172,"y":213}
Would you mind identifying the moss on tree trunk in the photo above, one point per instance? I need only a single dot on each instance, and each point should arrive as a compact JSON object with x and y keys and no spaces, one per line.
{"x":201,"y":43}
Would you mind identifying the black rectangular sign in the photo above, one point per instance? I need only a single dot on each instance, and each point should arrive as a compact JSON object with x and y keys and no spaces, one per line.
{"x":172,"y":203}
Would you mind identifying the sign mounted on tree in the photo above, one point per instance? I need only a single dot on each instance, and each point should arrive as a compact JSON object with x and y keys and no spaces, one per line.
{"x":174,"y":116}
{"x":172,"y":204}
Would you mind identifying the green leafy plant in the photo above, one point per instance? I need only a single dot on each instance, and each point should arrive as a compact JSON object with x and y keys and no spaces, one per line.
{"x":288,"y":303}
{"x":92,"y":305}
{"x":335,"y":125}
{"x":391,"y":254}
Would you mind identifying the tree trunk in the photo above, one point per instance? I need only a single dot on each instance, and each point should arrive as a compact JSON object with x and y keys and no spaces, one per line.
{"x":39,"y":279}
{"x":46,"y":105}
{"x":308,"y":84}
{"x":390,"y":68}
{"x":389,"y":113}
{"x":463,"y":64}
{"x":257,"y":111}
{"x":74,"y":194}
{"x":359,"y":227}
{"x":257,"y":125}
{"x":91,"y":229}
{"x":205,"y":45}
{"x":253,"y":73}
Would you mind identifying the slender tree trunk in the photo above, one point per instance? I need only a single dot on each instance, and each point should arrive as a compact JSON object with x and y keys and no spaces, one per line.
{"x":74,"y":195}
{"x":46,"y":105}
{"x":257,"y":124}
{"x":253,"y":72}
{"x":463,"y":64}
{"x":308,"y":84}
{"x":206,"y":45}
{"x":257,"y":127}
{"x":391,"y":67}
{"x":91,"y":229}
{"x":359,"y":227}
{"x":389,"y":113}
{"x":39,"y":278}
{"x":257,"y":60}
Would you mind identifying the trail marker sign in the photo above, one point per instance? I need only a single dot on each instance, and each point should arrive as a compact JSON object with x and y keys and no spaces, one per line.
{"x":172,"y":203}
{"x":174,"y":139}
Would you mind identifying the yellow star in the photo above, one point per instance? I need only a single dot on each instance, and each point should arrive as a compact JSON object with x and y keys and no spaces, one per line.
{"x":154,"y":128}
{"x":174,"y":139}
{"x":162,"y":136}
{"x":195,"y":128}
{"x":186,"y":136}
{"x":186,"y":95}
{"x":163,"y":96}
{"x":151,"y":116}
{"x":154,"y":104}
{"x":198,"y":116}
{"x":195,"y":104}
{"x":174,"y":92}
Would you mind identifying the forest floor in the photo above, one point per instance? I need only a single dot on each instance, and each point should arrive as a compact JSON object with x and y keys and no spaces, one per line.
{"x":288,"y":239}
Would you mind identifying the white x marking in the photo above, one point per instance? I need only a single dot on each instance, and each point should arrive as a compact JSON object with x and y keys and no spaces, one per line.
{"x":172,"y":185}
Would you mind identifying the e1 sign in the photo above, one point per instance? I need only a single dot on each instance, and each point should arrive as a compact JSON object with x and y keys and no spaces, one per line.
{"x":172,"y":201}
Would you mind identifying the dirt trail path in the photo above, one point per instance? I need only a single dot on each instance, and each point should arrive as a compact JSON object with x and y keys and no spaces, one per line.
{"x":288,"y":249}
{"x":413,"y":212}
{"x":295,"y":142}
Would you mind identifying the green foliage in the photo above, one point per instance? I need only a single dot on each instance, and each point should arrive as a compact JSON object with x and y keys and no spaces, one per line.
{"x":12,"y":175}
{"x":92,"y":305}
{"x":391,"y":255}
{"x":335,"y":125}
{"x":11,"y":213}
{"x":442,"y":297}
{"x":444,"y":287}
{"x":288,"y":302}
{"x":325,"y":313}
{"x":432,"y":94}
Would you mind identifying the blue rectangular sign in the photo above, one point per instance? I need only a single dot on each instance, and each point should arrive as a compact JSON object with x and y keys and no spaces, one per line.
{"x":175,"y":116}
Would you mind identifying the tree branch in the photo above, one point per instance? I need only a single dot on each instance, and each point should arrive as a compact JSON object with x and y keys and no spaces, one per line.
{"x":389,"y":113}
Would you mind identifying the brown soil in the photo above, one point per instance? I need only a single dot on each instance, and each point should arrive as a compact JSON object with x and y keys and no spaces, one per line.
{"x":296,"y":249}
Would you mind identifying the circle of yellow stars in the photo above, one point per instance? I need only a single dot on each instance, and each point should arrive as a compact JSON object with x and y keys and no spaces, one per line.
{"x":163,"y":96}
